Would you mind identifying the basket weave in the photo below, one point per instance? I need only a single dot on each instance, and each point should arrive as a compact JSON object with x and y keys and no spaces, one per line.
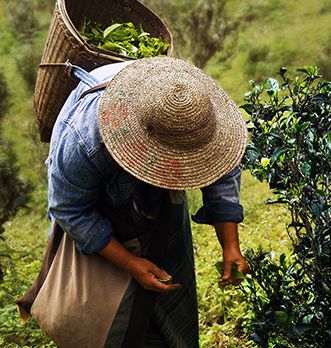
{"x":64,"y":43}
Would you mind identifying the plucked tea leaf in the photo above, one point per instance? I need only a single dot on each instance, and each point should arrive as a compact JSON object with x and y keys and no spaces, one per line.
{"x":234,"y":269}
{"x":108,"y":30}
{"x":123,"y":38}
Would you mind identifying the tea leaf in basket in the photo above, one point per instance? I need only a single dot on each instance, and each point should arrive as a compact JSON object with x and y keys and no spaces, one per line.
{"x":108,"y":30}
{"x":123,"y":38}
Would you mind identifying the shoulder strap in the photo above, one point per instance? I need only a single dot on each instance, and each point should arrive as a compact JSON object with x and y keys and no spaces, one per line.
{"x":94,"y":89}
{"x":86,"y":78}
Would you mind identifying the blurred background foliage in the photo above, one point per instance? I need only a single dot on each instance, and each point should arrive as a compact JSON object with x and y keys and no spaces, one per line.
{"x":234,"y":41}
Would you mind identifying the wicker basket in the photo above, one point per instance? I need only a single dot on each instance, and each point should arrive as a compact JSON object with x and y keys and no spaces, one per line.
{"x":64,"y":43}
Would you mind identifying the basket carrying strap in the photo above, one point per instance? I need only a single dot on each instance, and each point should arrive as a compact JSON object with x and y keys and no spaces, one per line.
{"x":87,"y":78}
{"x":82,"y":75}
{"x":94,"y":89}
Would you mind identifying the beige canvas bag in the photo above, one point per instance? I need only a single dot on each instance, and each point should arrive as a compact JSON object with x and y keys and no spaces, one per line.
{"x":79,"y":297}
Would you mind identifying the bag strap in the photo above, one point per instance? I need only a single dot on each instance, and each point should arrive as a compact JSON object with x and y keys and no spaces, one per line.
{"x":83,"y":75}
{"x":94,"y":89}
{"x":25,"y":302}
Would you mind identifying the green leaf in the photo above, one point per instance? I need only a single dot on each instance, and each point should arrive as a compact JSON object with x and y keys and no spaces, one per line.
{"x":252,"y":156}
{"x":144,"y":34}
{"x":310,"y":70}
{"x":265,"y":162}
{"x":247,"y":107}
{"x":282,"y":259}
{"x":165,"y":281}
{"x":305,"y":168}
{"x":220,"y":267}
{"x":272,"y":84}
{"x":307,"y":319}
{"x":234,"y":270}
{"x":108,"y":30}
{"x":110,"y":46}
{"x":286,"y":108}
{"x":123,"y":38}
{"x":329,"y":136}
{"x":273,"y":135}
{"x":282,"y":318}
{"x":96,"y":32}
{"x":250,"y":125}
{"x":275,"y":156}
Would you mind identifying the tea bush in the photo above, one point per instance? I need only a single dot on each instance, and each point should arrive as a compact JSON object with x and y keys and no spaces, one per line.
{"x":290,"y":148}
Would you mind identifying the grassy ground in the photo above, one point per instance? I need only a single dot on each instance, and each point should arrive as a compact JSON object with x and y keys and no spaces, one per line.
{"x":222,"y":312}
{"x":289,"y":33}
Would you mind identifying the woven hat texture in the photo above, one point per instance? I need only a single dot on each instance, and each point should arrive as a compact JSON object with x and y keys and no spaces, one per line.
{"x":169,"y":124}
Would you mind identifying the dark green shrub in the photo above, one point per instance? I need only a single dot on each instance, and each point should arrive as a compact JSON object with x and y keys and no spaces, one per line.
{"x":4,"y":94}
{"x":13,"y":191}
{"x":27,"y":61}
{"x":290,"y":148}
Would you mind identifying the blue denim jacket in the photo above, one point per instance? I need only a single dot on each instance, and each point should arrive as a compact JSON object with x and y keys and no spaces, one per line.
{"x":80,"y":170}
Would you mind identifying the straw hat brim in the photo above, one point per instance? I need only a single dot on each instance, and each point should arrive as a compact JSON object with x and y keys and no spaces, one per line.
{"x":159,"y":164}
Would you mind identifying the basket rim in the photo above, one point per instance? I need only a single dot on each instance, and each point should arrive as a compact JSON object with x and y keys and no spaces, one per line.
{"x":95,"y":50}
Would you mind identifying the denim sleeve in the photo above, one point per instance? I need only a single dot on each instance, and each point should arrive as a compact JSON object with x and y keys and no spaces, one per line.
{"x":221,"y":201}
{"x":74,"y":189}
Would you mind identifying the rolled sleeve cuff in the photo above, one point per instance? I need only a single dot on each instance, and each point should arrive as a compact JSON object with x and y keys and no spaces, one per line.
{"x":212,"y":213}
{"x":96,"y":240}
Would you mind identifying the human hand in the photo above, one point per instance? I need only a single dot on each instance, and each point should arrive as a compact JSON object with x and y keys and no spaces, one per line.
{"x":234,"y":268}
{"x":150,"y":276}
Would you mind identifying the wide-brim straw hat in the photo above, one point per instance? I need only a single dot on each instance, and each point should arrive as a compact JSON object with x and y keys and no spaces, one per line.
{"x":169,"y":124}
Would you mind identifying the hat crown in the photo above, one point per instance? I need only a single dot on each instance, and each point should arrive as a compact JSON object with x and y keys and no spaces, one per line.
{"x":169,"y":124}
{"x":180,"y":114}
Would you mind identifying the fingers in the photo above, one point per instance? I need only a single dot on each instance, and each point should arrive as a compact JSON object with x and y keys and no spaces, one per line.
{"x":152,"y":277}
{"x":160,"y":273}
{"x":227,"y":271}
{"x":234,"y":273}
{"x":161,"y":281}
{"x":230,"y":281}
{"x":155,"y":285}
{"x":244,"y":268}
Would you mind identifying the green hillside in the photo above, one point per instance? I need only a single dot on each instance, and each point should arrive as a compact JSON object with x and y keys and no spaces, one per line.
{"x":284,"y":33}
